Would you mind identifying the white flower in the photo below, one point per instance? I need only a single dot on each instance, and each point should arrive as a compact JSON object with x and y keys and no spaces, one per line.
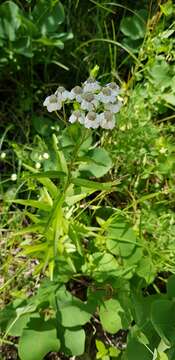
{"x":14,"y":177}
{"x":106,"y":96}
{"x":46,"y":156}
{"x":114,"y":108}
{"x":91,"y":120}
{"x":63,"y":94}
{"x":77,"y":116}
{"x":89,"y":102}
{"x":52,"y":103}
{"x":107,"y":120}
{"x":114,"y":88}
{"x":37,"y":165}
{"x":3,"y":155}
{"x":77,"y":93}
{"x":91,"y":85}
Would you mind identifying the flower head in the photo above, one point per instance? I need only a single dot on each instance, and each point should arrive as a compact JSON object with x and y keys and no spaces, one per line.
{"x":89,"y":102}
{"x":77,"y":116}
{"x":107,"y":120}
{"x":3,"y":155}
{"x":106,"y":96}
{"x":77,"y":93}
{"x":46,"y":156}
{"x":63,"y":94}
{"x":14,"y":177}
{"x":91,"y":85}
{"x":114,"y":108}
{"x":115,"y":90}
{"x":52,"y":103}
{"x":91,"y":120}
{"x":37,"y":165}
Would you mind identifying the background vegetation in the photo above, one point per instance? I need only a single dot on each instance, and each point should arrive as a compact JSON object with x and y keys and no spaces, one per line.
{"x":107,"y":292}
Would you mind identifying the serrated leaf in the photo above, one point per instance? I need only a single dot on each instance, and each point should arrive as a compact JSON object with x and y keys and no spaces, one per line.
{"x":34,"y":203}
{"x":90,"y":184}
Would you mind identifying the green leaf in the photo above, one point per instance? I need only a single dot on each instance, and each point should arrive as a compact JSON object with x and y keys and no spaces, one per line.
{"x":50,"y":42}
{"x":109,"y":315}
{"x":48,"y":15}
{"x":163,"y":320}
{"x":34,"y":203}
{"x":97,"y":162}
{"x":167,"y":8}
{"x":9,"y":20}
{"x":90,"y":184}
{"x":42,"y":125}
{"x":38,"y":339}
{"x":121,"y":238}
{"x":171,"y":287}
{"x":146,"y":269}
{"x":101,"y":349}
{"x":133,"y":26}
{"x":169,"y":98}
{"x":74,"y":342}
{"x":159,"y":74}
{"x":137,"y":351}
{"x":74,"y":313}
{"x":114,"y":352}
{"x":104,"y":266}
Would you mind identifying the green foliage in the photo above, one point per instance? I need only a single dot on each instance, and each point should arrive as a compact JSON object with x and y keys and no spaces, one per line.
{"x":90,"y":212}
{"x":23,"y":32}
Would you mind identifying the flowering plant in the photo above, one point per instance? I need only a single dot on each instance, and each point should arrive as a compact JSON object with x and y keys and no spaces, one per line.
{"x":94,"y":105}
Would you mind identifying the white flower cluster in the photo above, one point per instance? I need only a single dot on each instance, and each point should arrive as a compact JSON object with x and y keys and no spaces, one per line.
{"x":96,"y":105}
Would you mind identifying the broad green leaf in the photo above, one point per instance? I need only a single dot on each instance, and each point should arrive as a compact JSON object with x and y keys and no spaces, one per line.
{"x":104,"y":266}
{"x":110,"y":315}
{"x":97,"y":162}
{"x":22,"y":316}
{"x":163,"y":320}
{"x":159,"y":74}
{"x":137,"y":351}
{"x":74,"y":138}
{"x":74,"y":313}
{"x":133,"y":26}
{"x":121,"y":238}
{"x":48,"y":15}
{"x":38,"y":339}
{"x":171,"y":287}
{"x":42,"y":125}
{"x":74,"y":342}
{"x":9,"y":20}
{"x":146,"y":269}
